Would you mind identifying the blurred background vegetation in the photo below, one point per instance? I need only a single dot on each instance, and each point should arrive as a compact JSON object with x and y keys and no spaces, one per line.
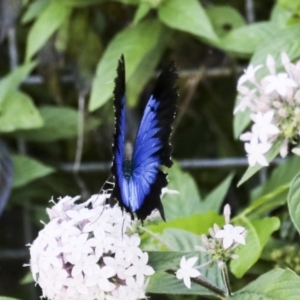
{"x":58,"y":62}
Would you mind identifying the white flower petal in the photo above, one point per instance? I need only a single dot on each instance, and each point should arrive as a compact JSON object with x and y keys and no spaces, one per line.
{"x":296,"y":151}
{"x":179,"y":274}
{"x":239,"y":229}
{"x":187,"y":281}
{"x":194,"y":273}
{"x":191,"y":261}
{"x":148,"y":271}
{"x":239,"y":239}
{"x":227,"y":241}
{"x":220,"y":234}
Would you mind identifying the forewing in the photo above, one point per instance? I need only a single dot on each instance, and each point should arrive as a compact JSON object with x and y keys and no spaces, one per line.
{"x":119,"y":135}
{"x":152,"y":146}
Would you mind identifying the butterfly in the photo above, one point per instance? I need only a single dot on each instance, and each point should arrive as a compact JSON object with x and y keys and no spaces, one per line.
{"x":138,"y":180}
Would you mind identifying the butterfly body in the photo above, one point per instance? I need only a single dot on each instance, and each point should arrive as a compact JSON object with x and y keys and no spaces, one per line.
{"x":139,"y":180}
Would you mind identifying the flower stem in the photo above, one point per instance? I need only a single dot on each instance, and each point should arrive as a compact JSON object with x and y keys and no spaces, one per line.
{"x":225,"y":277}
{"x":204,"y":264}
{"x":156,"y":236}
{"x":205,"y":283}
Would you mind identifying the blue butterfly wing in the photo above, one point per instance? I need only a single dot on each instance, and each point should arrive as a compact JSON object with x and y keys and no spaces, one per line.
{"x":152,"y":147}
{"x":139,"y":182}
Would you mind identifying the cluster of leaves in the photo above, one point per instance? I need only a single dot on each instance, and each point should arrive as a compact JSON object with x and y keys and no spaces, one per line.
{"x":85,"y":38}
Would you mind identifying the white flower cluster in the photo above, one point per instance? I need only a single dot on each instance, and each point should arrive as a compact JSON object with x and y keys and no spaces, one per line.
{"x":222,"y":243}
{"x":86,"y":251}
{"x":220,"y":247}
{"x":274,"y":102}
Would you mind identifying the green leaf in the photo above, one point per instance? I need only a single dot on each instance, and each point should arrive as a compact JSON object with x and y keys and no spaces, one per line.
{"x":81,"y":3}
{"x":60,"y":123}
{"x":27,"y":278}
{"x":269,"y":156}
{"x":188,"y":16}
{"x":166,"y":260}
{"x":290,"y":4}
{"x":196,"y":223}
{"x":273,"y":192}
{"x":181,"y":240}
{"x":34,"y":9}
{"x":214,"y":199}
{"x":276,"y":284}
{"x":135,"y":43}
{"x":280,"y":16}
{"x":19,"y":112}
{"x":268,"y":202}
{"x":8,"y":298}
{"x":51,"y":18}
{"x":224,"y":18}
{"x":188,"y":201}
{"x":11,"y":81}
{"x":132,"y":2}
{"x":286,"y":40}
{"x":28,"y":169}
{"x":258,"y":233}
{"x":282,"y":174}
{"x":294,"y":202}
{"x":241,"y":120}
{"x":245,"y":40}
{"x":145,"y":70}
{"x":141,"y":12}
{"x":164,"y":283}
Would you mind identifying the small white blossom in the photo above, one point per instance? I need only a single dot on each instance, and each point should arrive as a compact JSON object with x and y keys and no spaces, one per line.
{"x":246,"y":101}
{"x":263,"y":127}
{"x":221,"y":244}
{"x":231,"y":234}
{"x":249,"y":74}
{"x":256,"y":151}
{"x":140,"y":269}
{"x":279,"y":83}
{"x":103,"y":275}
{"x":186,"y":270}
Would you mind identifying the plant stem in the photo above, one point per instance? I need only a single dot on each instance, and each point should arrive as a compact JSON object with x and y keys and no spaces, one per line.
{"x":225,"y":276}
{"x":205,"y":283}
{"x":204,"y":264}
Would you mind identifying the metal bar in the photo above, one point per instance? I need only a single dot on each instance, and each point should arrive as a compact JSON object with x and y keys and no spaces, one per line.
{"x":12,"y":49}
{"x":14,"y":254}
{"x":208,"y":73}
{"x":36,"y":79}
{"x":250,"y":13}
{"x":234,"y":162}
